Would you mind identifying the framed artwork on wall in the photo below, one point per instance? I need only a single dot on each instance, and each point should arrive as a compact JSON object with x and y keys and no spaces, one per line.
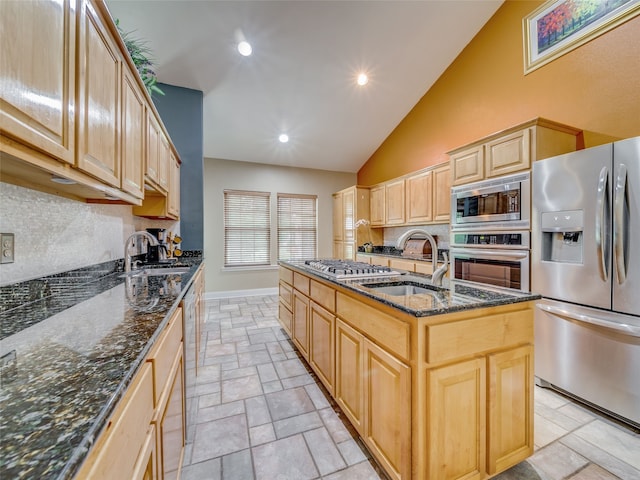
{"x":559,"y":26}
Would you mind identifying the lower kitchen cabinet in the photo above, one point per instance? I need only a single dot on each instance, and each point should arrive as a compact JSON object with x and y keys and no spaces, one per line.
{"x":145,"y":436}
{"x":445,"y":396}
{"x":321,"y":344}
{"x":456,"y":413}
{"x":349,"y":373}
{"x":387,"y":410}
{"x":510,"y":388}
{"x":300,"y":328}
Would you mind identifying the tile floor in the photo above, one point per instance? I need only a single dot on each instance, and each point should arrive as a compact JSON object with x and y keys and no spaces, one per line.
{"x":256,"y":412}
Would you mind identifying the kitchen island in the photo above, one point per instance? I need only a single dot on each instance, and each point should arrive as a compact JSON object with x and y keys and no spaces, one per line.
{"x":437,"y":381}
{"x":89,"y":355}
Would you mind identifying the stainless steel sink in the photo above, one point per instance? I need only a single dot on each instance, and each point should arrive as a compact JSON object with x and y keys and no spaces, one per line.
{"x":400,"y":289}
{"x":153,"y":272}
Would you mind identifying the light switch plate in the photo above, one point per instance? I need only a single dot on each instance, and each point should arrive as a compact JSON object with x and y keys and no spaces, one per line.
{"x":6,"y":247}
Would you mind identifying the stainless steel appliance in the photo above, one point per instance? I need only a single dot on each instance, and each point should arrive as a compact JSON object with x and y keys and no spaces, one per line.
{"x":349,"y":268}
{"x":497,"y":204}
{"x":496,"y":258}
{"x":586,"y":263}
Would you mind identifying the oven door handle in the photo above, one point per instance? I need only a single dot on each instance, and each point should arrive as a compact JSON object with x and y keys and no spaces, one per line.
{"x":488,"y":254}
{"x":600,"y":322}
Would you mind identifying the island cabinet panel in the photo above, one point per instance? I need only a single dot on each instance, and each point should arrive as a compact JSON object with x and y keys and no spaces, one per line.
{"x":300,"y":328}
{"x":456,"y":428}
{"x":349,"y":373}
{"x":286,"y":294}
{"x":286,"y":318}
{"x":99,"y":102}
{"x":301,"y":283}
{"x":387,"y":411}
{"x":388,"y":331}
{"x":321,"y":344}
{"x":119,"y":447}
{"x":510,"y":408}
{"x":38,"y":75}
{"x":447,"y":341}
{"x":162,"y":355}
{"x":323,"y":295}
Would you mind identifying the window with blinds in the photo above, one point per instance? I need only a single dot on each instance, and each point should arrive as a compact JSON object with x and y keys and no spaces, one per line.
{"x":247,"y":228}
{"x":297,"y":227}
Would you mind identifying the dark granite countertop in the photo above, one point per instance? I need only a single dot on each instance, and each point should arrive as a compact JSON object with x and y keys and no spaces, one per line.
{"x":71,"y":344}
{"x":453,"y":296}
{"x":384,"y":251}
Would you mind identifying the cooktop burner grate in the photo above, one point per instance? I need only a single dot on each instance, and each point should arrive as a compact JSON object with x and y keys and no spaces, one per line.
{"x":349,"y":268}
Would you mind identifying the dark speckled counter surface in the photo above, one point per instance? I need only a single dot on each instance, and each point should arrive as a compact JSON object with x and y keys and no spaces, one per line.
{"x":451,"y":297}
{"x":71,"y":343}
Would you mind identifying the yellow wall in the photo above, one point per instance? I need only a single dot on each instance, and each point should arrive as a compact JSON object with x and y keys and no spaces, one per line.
{"x":595,"y":87}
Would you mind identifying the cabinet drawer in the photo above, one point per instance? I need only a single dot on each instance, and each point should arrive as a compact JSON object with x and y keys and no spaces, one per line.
{"x":286,"y":317}
{"x":380,"y":327}
{"x":301,"y":283}
{"x":323,"y":295}
{"x":164,"y":353}
{"x":117,"y":449}
{"x":452,"y":340}
{"x":402,"y":264}
{"x":286,"y":294}
{"x":286,"y":275}
{"x":425,"y":268}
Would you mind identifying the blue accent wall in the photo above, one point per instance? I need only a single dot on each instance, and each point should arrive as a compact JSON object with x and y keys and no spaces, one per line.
{"x":181,"y":112}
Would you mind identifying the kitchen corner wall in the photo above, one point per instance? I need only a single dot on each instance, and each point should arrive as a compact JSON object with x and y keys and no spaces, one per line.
{"x":54,"y":234}
{"x":224,"y":174}
{"x":485,"y":90}
{"x":181,"y":112}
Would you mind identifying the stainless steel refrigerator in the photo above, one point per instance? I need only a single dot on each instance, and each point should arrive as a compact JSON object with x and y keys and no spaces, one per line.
{"x":585,"y":262}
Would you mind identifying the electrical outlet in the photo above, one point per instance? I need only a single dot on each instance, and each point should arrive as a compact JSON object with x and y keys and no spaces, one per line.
{"x":7,"y":247}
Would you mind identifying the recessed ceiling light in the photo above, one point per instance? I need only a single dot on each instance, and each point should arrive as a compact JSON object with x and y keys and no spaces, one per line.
{"x":284,"y":138}
{"x":244,"y":48}
{"x":363,"y":79}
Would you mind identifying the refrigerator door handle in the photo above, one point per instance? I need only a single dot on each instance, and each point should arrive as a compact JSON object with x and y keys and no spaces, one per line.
{"x":601,"y":204}
{"x":624,"y":328}
{"x":618,"y":223}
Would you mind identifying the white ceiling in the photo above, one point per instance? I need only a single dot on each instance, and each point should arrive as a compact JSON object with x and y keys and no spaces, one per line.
{"x":301,"y":76}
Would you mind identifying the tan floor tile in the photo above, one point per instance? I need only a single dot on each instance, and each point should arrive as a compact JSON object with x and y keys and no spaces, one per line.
{"x":593,"y":472}
{"x":613,"y":440}
{"x":288,"y":458}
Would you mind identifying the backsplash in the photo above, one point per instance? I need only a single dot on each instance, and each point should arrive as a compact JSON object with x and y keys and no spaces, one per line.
{"x":54,"y":234}
{"x":392,"y":234}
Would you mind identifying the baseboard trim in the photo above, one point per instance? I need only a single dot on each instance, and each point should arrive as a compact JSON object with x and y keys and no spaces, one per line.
{"x":256,"y":292}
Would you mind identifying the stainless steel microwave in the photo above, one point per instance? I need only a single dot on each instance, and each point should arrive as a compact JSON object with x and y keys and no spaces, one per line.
{"x":498,"y":204}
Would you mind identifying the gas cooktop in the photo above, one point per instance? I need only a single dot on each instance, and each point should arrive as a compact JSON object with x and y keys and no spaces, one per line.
{"x":349,"y":268}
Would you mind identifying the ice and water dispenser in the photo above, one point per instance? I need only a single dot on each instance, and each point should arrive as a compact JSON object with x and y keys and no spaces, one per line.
{"x":562,"y":236}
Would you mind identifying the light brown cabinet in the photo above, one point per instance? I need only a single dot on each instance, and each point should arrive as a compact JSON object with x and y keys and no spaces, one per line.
{"x":173,"y":195}
{"x":300,"y":329}
{"x":75,"y":107}
{"x":99,"y":98}
{"x":387,"y":410}
{"x":419,"y":197}
{"x":133,"y":136}
{"x":446,"y":396}
{"x":377,"y":195}
{"x":511,"y":150}
{"x":441,"y":194}
{"x":321,"y":344}
{"x":38,"y":76}
{"x":394,"y":202}
{"x":349,"y":206}
{"x":144,"y":437}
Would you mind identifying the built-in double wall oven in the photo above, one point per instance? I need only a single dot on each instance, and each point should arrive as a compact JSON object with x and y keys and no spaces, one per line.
{"x":490,"y":232}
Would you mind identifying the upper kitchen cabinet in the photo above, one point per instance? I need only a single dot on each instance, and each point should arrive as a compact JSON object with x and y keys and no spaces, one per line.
{"x":133,"y":136}
{"x":377,"y":205}
{"x":99,"y":97}
{"x":394,"y":202}
{"x":351,"y":205}
{"x":162,"y":202}
{"x":511,"y":150}
{"x":428,"y":196}
{"x":38,"y":75}
{"x":74,"y":111}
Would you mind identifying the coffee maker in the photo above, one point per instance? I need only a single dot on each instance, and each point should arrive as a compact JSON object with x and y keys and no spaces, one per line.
{"x":157,"y":253}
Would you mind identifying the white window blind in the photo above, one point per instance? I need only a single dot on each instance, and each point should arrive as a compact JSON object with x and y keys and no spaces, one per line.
{"x":247,"y":228}
{"x":297,"y":227}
